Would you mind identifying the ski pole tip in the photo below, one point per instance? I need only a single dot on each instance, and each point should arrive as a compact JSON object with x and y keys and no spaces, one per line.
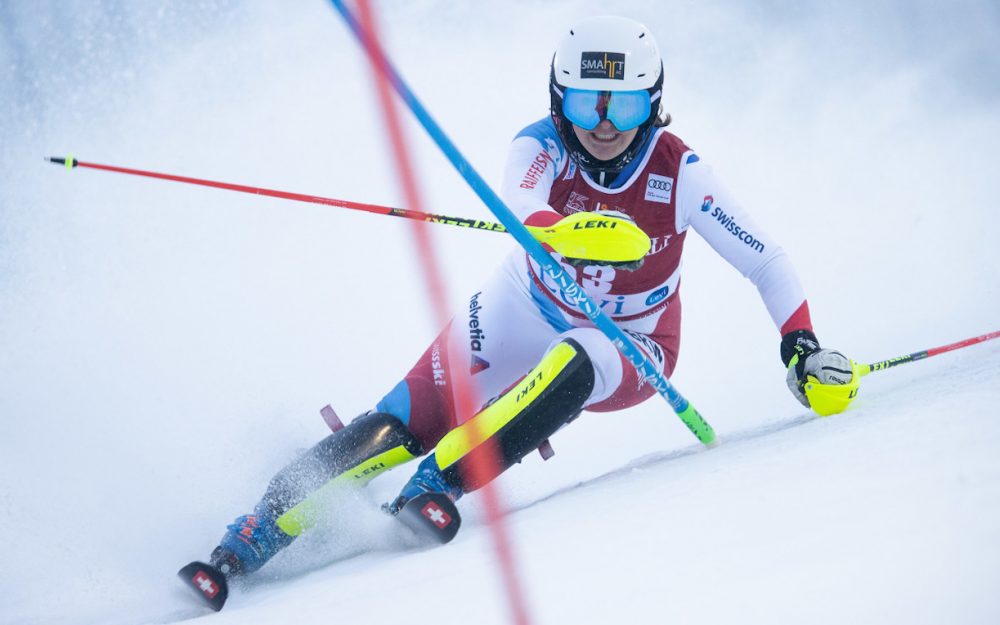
{"x":69,"y":161}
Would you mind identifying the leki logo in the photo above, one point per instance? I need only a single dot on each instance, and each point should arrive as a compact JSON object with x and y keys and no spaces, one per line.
{"x":369,"y":471}
{"x":603,"y":65}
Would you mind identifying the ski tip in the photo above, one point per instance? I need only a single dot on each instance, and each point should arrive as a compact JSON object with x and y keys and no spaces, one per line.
{"x":208,"y":583}
{"x":432,"y":516}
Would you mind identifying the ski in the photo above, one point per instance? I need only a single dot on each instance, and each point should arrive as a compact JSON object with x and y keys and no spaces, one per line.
{"x":207,"y":581}
{"x":431,"y":516}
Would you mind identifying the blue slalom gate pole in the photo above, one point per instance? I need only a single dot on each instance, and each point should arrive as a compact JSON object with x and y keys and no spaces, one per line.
{"x":574,"y":292}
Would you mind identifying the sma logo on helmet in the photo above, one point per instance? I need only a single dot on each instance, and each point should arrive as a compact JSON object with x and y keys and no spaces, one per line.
{"x":603,"y":65}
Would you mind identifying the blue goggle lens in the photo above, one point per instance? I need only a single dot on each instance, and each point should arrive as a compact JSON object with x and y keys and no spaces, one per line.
{"x":625,"y":109}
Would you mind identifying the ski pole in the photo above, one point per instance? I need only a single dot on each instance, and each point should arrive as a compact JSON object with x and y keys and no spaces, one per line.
{"x":573,"y":291}
{"x":475,"y":224}
{"x":569,"y":226}
{"x":927,"y":353}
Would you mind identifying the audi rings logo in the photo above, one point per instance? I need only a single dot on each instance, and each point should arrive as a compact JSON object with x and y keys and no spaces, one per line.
{"x":659,"y":188}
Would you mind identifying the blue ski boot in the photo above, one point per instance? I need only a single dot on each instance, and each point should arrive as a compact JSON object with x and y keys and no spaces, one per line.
{"x":427,"y":504}
{"x":250,"y":541}
{"x":427,"y":479}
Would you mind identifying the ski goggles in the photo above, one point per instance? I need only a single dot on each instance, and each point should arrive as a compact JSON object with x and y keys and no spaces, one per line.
{"x":625,"y":109}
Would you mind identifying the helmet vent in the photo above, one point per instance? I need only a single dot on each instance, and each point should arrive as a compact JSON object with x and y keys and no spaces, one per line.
{"x":641,"y":75}
{"x":641,"y":35}
{"x":572,"y":33}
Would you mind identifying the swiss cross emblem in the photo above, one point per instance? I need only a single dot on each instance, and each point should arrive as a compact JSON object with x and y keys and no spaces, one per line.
{"x":437,"y":516}
{"x":206,"y":585}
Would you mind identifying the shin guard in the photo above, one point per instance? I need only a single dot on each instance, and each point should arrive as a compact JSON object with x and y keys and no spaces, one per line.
{"x":369,"y":446}
{"x":520,"y":420}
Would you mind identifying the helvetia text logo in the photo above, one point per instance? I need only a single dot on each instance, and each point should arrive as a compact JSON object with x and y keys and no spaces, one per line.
{"x":476,"y":334}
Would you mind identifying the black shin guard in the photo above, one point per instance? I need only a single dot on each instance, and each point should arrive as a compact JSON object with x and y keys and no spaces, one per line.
{"x":370,"y":445}
{"x":551,"y":395}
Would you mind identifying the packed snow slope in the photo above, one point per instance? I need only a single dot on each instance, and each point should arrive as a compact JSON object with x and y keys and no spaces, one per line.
{"x":165,"y":348}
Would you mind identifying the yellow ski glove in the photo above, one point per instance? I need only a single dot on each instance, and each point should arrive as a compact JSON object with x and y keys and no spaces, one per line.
{"x":822,"y":379}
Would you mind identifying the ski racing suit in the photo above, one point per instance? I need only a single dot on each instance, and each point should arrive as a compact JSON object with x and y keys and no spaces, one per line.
{"x":520,"y":313}
{"x":530,"y":360}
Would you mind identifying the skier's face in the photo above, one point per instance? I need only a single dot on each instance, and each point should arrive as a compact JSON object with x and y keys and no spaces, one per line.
{"x":604,"y":142}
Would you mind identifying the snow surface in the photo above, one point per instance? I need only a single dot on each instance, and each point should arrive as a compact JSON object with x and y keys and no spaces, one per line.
{"x":165,"y":348}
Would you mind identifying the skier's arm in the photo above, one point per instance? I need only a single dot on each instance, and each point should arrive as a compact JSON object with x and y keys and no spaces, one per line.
{"x":706,"y":205}
{"x":819,"y":378}
{"x":533,"y":162}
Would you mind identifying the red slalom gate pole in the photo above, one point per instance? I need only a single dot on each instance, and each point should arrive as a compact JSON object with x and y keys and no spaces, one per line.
{"x":484,"y":463}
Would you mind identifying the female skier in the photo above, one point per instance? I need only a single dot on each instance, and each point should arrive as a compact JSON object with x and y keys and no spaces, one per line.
{"x":521,"y":347}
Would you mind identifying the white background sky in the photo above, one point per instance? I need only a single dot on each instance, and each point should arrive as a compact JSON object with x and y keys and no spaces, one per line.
{"x":164,"y":349}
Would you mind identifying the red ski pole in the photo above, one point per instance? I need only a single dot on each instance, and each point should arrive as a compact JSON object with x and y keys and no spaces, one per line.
{"x":927,"y":353}
{"x":464,"y":222}
{"x":585,"y":244}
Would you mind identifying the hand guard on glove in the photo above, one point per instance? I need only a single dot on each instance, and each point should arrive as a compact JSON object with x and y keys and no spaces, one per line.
{"x":822,"y":379}
{"x":627,"y":265}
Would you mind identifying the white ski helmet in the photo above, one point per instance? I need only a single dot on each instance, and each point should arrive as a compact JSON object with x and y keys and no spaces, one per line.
{"x":606,"y":68}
